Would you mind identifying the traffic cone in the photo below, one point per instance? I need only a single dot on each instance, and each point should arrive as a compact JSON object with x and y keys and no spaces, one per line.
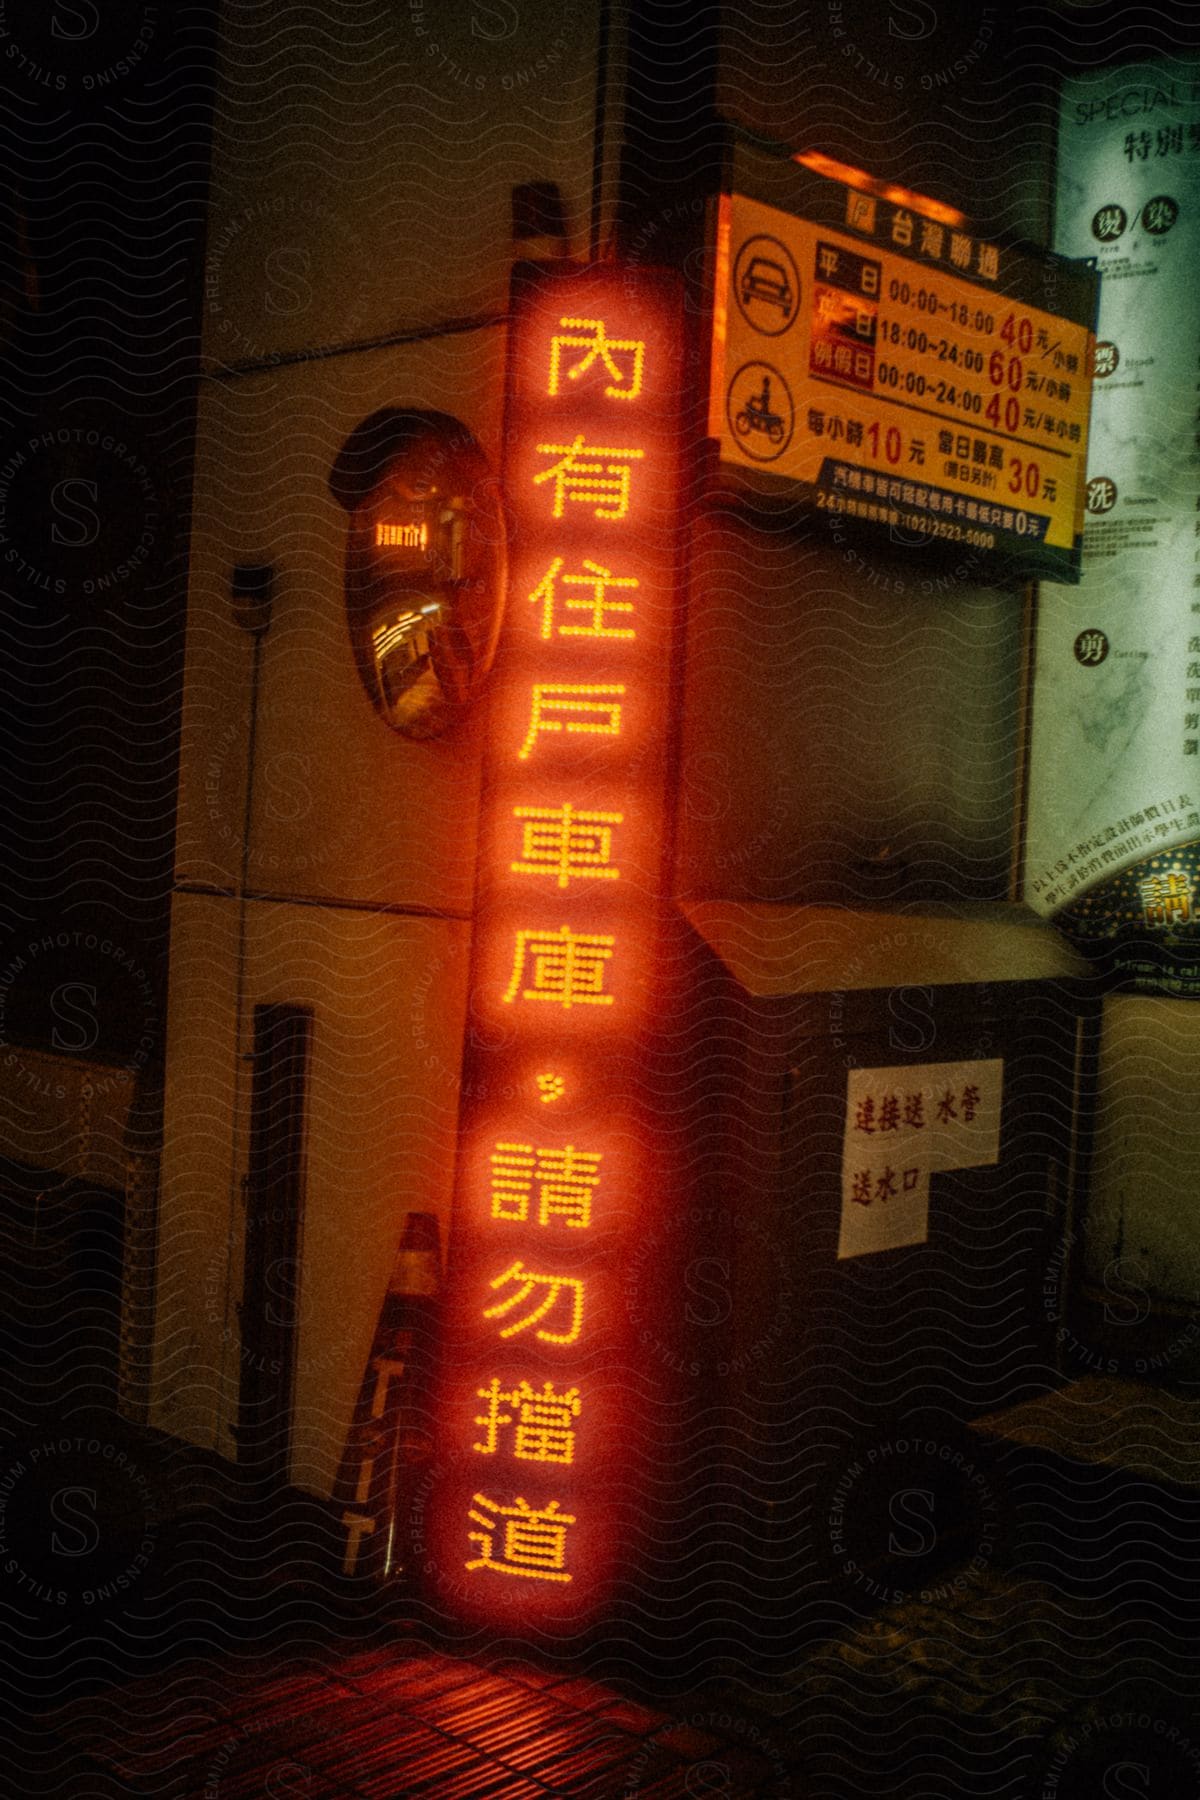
{"x":389,"y":1438}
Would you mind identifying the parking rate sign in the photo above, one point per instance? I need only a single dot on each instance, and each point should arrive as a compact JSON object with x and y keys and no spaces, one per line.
{"x":895,"y":372}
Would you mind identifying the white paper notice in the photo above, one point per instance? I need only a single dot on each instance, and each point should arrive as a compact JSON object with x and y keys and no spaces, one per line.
{"x":903,"y":1124}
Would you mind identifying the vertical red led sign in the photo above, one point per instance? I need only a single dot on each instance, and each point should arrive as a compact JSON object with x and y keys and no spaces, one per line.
{"x":559,"y":1172}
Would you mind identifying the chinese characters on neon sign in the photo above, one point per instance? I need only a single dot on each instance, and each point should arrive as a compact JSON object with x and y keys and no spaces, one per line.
{"x":552,"y":1179}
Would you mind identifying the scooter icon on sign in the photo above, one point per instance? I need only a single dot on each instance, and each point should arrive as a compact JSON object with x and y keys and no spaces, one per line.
{"x":760,"y":414}
{"x":756,"y":415}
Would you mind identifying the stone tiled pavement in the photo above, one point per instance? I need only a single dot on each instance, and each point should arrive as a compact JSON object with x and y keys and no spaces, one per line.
{"x":966,"y":1695}
{"x":384,"y":1724}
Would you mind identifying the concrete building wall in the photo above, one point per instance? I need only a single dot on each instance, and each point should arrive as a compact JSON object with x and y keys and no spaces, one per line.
{"x":358,"y":253}
{"x":387,"y":993}
{"x":342,"y":809}
{"x":359,"y":246}
{"x":365,"y":158}
{"x":852,"y":731}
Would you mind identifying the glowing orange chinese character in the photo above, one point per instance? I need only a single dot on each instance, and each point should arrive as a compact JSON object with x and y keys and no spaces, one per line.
{"x":512,"y":1178}
{"x":591,"y":711}
{"x":598,"y":578}
{"x":624,"y":383}
{"x":545,"y":1422}
{"x":1166,"y":898}
{"x":557,"y":1287}
{"x":558,"y":841}
{"x":564,"y":1179}
{"x":568,"y":967}
{"x":591,"y":475}
{"x":534,"y":1543}
{"x":550,"y":1087}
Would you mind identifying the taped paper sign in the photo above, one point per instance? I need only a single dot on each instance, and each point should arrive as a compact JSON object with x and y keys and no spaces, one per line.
{"x":904,"y":1124}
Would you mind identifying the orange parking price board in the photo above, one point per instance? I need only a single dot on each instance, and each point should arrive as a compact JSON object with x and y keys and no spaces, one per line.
{"x":893,"y":370}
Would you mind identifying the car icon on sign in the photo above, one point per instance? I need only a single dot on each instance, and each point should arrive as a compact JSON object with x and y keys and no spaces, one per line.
{"x":763,"y":279}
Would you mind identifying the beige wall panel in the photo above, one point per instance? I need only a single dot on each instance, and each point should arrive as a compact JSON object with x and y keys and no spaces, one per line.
{"x":365,"y":155}
{"x":196,"y":1205}
{"x":343,"y":808}
{"x":1142,"y":1213}
{"x":215,"y":716}
{"x":388,"y":995}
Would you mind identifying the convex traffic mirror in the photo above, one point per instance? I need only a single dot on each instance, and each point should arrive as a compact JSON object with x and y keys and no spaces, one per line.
{"x":425,"y":565}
